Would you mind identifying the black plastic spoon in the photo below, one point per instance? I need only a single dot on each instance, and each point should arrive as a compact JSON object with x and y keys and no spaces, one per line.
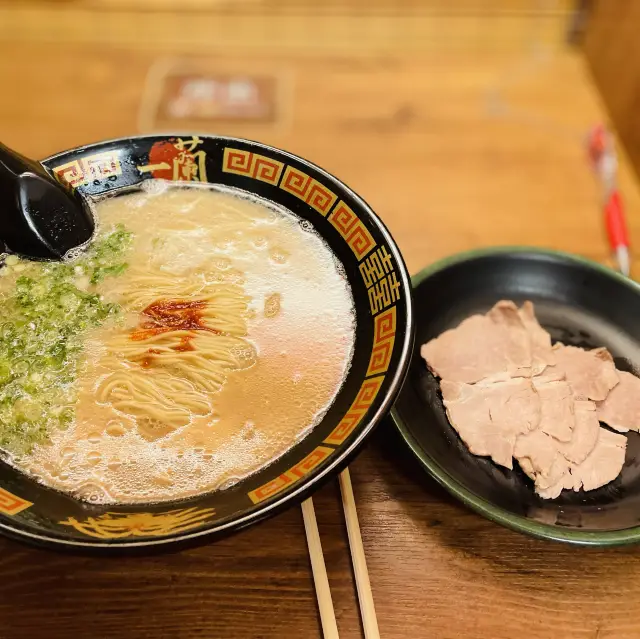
{"x":39,"y":217}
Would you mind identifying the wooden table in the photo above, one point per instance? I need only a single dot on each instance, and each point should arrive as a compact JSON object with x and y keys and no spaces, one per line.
{"x":457,"y":144}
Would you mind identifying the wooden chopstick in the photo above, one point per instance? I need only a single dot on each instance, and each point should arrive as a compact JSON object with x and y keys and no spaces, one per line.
{"x":363,"y":585}
{"x":320,"y":579}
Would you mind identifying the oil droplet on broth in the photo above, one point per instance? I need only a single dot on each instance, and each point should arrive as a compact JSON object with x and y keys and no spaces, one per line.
{"x":163,"y":479}
{"x":260,"y":241}
{"x":114,"y":464}
{"x":94,"y":457}
{"x":92,"y":492}
{"x":278,"y":255}
{"x":262,"y":409}
{"x":272,"y":305}
{"x":115,"y":429}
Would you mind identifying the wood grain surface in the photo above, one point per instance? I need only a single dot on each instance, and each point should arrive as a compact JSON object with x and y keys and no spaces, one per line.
{"x":456,"y":145}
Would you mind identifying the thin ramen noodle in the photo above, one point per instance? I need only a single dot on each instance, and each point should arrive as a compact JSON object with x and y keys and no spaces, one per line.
{"x":215,"y":331}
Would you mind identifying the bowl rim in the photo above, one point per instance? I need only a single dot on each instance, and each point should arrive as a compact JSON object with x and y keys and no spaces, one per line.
{"x":344,"y":456}
{"x":457,"y":489}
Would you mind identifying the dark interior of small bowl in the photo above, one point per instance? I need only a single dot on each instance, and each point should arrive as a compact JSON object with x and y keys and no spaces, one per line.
{"x":579,"y":303}
{"x":381,"y":290}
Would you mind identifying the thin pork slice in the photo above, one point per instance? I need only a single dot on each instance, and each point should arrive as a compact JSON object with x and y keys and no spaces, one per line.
{"x":603,"y":464}
{"x":494,"y":346}
{"x":539,"y":458}
{"x":585,"y":433}
{"x":621,"y":408}
{"x":469,"y":416}
{"x":565,"y":481}
{"x":552,"y":374}
{"x":489,"y":417}
{"x":506,"y":314}
{"x":542,"y":354}
{"x":591,"y":374}
{"x":557,"y":408}
{"x":514,"y":404}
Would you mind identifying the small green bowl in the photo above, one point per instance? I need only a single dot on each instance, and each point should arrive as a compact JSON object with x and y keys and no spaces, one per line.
{"x":579,"y":302}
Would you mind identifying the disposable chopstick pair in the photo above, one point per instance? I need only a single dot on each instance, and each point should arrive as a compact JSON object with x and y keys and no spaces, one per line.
{"x":358,"y":559}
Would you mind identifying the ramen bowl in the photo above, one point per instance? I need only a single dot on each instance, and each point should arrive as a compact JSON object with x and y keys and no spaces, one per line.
{"x":380,"y":287}
{"x":579,"y":303}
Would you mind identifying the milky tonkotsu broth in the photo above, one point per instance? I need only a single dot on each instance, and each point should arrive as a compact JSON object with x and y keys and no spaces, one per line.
{"x":299,"y":341}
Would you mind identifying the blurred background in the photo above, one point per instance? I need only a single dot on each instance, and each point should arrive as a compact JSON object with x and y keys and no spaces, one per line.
{"x":462,"y":122}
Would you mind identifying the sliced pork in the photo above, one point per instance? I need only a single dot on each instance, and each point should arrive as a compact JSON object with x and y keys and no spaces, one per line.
{"x":591,"y":374}
{"x":557,"y":408}
{"x":585,"y":433}
{"x":603,"y":464}
{"x":540,"y":459}
{"x":510,"y":394}
{"x":621,"y":408}
{"x":489,"y":417}
{"x":553,"y":473}
{"x":542,"y":354}
{"x":479,"y":348}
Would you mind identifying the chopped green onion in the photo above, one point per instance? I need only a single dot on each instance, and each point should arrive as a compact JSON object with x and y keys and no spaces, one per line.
{"x":44,"y":320}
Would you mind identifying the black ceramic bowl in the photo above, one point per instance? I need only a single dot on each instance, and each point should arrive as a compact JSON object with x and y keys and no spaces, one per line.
{"x":381,"y":289}
{"x":579,"y":302}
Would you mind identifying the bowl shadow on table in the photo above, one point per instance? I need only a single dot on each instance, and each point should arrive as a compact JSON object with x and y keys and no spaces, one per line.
{"x":458,"y":528}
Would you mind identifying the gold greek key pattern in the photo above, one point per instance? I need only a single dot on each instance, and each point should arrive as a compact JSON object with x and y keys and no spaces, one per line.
{"x":384,"y":334}
{"x":366,"y":396}
{"x":11,"y":504}
{"x":307,"y":189}
{"x":99,"y":166}
{"x":352,"y":230}
{"x":291,"y":476}
{"x":120,"y":525}
{"x":252,"y":165}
